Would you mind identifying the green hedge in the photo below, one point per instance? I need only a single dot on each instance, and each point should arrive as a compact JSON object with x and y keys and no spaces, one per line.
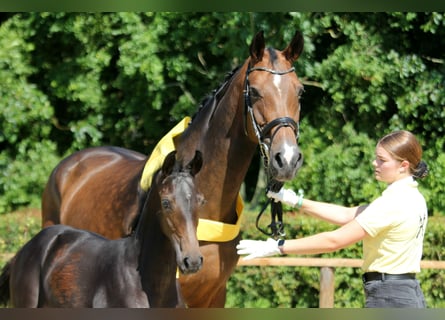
{"x":125,"y":78}
{"x":290,"y":287}
{"x":271,"y":287}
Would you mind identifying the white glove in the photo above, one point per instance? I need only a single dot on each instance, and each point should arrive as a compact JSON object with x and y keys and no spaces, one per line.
{"x":286,"y":196}
{"x":258,"y":248}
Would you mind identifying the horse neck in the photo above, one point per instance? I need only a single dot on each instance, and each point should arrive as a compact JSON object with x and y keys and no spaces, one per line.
{"x":157,"y":261}
{"x":218,"y":132}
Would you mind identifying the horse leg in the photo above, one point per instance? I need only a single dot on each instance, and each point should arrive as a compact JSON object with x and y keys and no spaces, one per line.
{"x":181,"y":303}
{"x":50,"y":203}
{"x":219,"y":299}
{"x":207,"y":287}
{"x":4,"y":284}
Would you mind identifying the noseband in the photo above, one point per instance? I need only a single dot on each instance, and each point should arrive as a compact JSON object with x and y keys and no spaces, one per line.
{"x":277,"y":227}
{"x":281,"y":122}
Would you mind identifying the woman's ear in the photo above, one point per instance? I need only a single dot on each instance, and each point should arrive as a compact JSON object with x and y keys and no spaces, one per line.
{"x":404,"y":165}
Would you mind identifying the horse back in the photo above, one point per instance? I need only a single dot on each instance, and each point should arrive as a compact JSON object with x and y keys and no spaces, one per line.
{"x":95,"y":189}
{"x":66,"y":267}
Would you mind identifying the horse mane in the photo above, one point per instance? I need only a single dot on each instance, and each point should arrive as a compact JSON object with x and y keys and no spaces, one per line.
{"x":209,"y":101}
{"x":212,"y":99}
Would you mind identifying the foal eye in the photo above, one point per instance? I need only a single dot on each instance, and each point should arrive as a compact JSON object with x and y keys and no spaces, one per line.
{"x":165,"y":204}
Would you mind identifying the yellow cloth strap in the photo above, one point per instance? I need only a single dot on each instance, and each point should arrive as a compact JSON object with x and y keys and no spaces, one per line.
{"x":162,"y":149}
{"x":208,"y":230}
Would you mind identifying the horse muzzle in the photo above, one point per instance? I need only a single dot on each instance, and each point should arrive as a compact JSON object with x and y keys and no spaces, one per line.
{"x":191,"y":264}
{"x":285,"y":160}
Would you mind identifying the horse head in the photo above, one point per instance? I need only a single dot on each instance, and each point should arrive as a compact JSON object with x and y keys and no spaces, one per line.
{"x":272,"y":103}
{"x":178,"y":214}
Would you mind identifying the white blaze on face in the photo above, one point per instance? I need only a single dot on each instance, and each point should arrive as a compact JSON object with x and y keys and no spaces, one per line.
{"x":276,"y":82}
{"x":289,"y":152}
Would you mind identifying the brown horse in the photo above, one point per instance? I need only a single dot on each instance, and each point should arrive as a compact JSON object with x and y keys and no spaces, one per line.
{"x":258,"y":103}
{"x":66,"y":267}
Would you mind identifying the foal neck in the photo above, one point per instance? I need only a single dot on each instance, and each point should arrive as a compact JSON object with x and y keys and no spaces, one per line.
{"x":157,"y":260}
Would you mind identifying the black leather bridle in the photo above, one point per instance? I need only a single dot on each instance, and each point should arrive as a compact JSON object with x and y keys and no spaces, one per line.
{"x":277,"y":227}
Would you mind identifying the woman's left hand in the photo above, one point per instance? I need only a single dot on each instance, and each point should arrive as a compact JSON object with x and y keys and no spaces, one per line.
{"x":258,"y":248}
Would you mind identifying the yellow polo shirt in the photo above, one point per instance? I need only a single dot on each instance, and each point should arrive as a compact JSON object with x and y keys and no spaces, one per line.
{"x":395,"y":223}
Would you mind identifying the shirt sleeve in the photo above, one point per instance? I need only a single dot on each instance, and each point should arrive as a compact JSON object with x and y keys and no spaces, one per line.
{"x":376,"y":217}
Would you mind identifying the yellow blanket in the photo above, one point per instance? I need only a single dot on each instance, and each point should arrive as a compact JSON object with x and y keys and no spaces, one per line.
{"x":208,"y":230}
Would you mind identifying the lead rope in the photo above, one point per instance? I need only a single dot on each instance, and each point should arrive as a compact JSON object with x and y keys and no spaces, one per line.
{"x":276,"y":208}
{"x":276,"y":225}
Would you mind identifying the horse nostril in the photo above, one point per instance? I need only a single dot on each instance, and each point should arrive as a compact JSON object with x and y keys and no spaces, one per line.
{"x":279,"y":160}
{"x":300,"y":156}
{"x":189,"y":264}
{"x":186,"y":262}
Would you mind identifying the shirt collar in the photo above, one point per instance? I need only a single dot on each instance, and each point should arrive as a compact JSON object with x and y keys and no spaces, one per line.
{"x":405,"y":182}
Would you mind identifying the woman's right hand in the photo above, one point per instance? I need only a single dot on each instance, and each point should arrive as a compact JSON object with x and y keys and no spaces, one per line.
{"x":286,"y":196}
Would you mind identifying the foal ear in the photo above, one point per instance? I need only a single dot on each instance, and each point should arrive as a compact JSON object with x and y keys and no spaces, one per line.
{"x":195,"y":165}
{"x":295,"y":47}
{"x":257,"y":47}
{"x":169,"y":163}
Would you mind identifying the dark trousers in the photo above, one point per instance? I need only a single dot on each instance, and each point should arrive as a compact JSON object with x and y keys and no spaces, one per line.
{"x":394,"y":294}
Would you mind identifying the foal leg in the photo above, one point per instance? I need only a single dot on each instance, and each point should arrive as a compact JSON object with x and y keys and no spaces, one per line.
{"x":25,"y":288}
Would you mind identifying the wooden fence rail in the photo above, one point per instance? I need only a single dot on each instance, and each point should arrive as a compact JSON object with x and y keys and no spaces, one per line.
{"x":327,"y":271}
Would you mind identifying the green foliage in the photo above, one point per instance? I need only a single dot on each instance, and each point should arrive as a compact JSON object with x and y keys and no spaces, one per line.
{"x":338,"y":170}
{"x":75,"y":80}
{"x":16,"y":229}
{"x":26,"y":150}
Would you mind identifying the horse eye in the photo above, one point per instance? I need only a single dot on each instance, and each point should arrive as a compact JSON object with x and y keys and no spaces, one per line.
{"x":165,"y":204}
{"x":254,"y":93}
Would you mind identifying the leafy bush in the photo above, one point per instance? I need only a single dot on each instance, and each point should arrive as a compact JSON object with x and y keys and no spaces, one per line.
{"x":16,"y":229}
{"x":76,"y":80}
{"x":26,"y":151}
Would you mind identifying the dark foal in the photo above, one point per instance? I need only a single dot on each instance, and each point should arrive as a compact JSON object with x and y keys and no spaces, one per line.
{"x":66,"y":267}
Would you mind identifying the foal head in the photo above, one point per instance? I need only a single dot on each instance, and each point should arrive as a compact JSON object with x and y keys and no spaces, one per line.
{"x":178,"y":215}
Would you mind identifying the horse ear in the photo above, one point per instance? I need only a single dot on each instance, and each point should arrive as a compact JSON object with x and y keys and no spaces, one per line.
{"x":195,"y":165}
{"x":257,"y":47}
{"x":169,"y":163}
{"x":295,"y":47}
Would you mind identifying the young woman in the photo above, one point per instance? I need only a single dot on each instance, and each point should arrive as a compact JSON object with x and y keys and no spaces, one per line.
{"x":391,"y":227}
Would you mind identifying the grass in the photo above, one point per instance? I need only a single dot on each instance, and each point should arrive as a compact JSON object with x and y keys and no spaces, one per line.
{"x":16,"y":229}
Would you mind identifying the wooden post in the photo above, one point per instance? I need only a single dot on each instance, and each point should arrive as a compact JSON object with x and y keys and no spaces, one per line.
{"x":327,"y":287}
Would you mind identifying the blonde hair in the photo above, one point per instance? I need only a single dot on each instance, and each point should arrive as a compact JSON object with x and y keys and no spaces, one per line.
{"x":403,"y":145}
